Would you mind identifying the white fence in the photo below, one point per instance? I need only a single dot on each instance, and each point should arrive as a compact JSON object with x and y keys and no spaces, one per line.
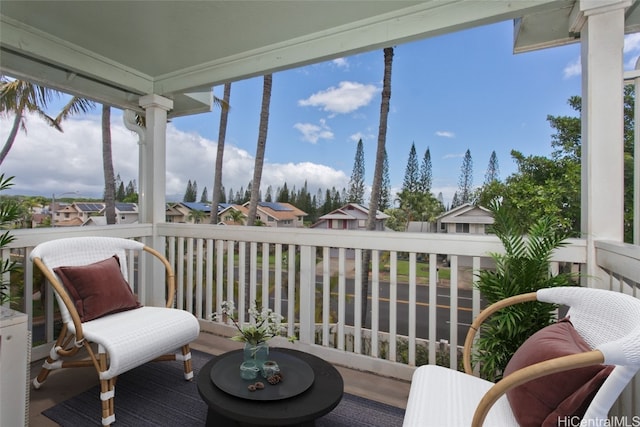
{"x":418,"y":308}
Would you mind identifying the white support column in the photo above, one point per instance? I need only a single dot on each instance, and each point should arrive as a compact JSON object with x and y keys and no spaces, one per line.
{"x":152,"y":185}
{"x":602,"y":38}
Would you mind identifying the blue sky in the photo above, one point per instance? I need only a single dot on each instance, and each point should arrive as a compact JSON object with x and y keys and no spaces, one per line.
{"x":450,"y":93}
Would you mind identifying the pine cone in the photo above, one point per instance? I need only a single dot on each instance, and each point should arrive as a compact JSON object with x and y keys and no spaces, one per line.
{"x":275,"y":379}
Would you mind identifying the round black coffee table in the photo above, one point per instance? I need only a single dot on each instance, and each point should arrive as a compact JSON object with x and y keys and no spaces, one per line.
{"x":318,"y":399}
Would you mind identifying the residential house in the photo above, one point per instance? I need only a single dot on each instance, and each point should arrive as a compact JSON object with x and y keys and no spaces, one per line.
{"x":172,"y":214}
{"x":270,"y":214}
{"x":352,"y":216}
{"x":279,"y":214}
{"x":126,"y":213}
{"x":466,"y":218}
{"x":233,"y":215}
{"x":76,"y":214}
{"x":191,"y":212}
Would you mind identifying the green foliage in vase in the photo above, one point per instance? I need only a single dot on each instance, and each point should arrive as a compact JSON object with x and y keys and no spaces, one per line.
{"x":523,"y":268}
{"x":264,"y":325}
{"x":9,"y":213}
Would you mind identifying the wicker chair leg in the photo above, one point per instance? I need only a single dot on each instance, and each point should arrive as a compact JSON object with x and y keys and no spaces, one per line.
{"x":107,"y":393}
{"x":42,"y":376}
{"x":186,"y":358}
{"x":53,"y":360}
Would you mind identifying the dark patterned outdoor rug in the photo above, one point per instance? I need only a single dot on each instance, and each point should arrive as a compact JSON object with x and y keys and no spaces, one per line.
{"x":155,"y":395}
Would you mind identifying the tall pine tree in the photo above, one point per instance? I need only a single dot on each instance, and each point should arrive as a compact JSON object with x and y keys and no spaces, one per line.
{"x":204,"y":198}
{"x":411,"y":181}
{"x":426,"y":174}
{"x":356,"y":183}
{"x":385,"y":188}
{"x":190,"y":193}
{"x":493,"y":170}
{"x":465,"y":183}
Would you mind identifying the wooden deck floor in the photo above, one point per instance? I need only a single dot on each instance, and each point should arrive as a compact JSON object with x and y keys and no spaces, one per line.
{"x":67,"y":383}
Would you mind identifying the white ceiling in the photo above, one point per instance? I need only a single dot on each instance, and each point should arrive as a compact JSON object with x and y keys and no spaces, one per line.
{"x":115,"y":51}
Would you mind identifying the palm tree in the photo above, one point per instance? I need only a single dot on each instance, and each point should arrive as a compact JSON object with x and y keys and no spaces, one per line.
{"x":196,"y":216}
{"x":377,"y":174}
{"x":257,"y":169}
{"x":21,"y":97}
{"x":217,"y":179}
{"x":107,"y":167}
{"x":262,"y":143}
{"x":236,"y":216}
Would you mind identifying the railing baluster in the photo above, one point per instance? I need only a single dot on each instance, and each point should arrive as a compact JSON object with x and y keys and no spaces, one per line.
{"x":412,"y":309}
{"x":375,"y":301}
{"x":358,"y":301}
{"x":231,"y":295}
{"x":199,"y":269}
{"x":265,"y":275}
{"x":326,"y":294}
{"x":291,"y":288}
{"x":219,"y":275}
{"x":393,"y":305}
{"x":209,"y":279}
{"x":189,"y":283}
{"x":277,"y":291}
{"x":242,"y":310}
{"x":341,"y":298}
{"x":433,"y":306}
{"x":453,"y":314}
{"x":253,"y":274}
{"x":180,"y":274}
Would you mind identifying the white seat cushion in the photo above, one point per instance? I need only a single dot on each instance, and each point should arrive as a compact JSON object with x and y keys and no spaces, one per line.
{"x":443,"y":397}
{"x":134,"y":337}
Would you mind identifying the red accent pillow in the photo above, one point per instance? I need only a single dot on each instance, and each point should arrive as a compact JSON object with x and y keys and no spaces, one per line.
{"x":546,"y":400}
{"x":98,"y":289}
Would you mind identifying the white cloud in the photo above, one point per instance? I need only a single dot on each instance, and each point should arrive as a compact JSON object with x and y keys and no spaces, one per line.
{"x":312,"y":133}
{"x":445,"y":134}
{"x":632,"y":43}
{"x":45,"y":161}
{"x":341,"y":63}
{"x":346,"y":98}
{"x":357,"y":136}
{"x":572,"y":69}
{"x":316,"y":176}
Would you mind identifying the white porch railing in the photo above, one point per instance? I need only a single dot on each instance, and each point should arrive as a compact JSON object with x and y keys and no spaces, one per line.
{"x":410,"y":321}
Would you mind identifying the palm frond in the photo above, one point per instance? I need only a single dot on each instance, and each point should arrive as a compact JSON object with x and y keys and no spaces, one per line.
{"x":76,"y":105}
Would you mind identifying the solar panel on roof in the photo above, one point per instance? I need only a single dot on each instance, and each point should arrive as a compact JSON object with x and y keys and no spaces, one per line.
{"x":125,"y":207}
{"x":88,"y":207}
{"x":275,"y":206}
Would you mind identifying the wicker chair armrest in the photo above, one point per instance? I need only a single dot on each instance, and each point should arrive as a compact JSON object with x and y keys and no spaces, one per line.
{"x":484,"y":315}
{"x":62,"y":292}
{"x":171,"y":278}
{"x":521,"y":376}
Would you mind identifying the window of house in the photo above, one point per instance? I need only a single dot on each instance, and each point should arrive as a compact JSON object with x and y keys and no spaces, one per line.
{"x":462,"y":228}
{"x":336,"y":223}
{"x":362,"y":223}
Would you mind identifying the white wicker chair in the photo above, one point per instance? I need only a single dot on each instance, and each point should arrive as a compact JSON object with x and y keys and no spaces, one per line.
{"x":125,"y":339}
{"x":609,"y":322}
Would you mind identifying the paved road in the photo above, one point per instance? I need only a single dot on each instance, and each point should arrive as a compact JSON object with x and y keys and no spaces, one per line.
{"x":443,"y":310}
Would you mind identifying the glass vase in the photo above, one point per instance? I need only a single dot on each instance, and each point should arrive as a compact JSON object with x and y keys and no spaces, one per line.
{"x":258,"y":353}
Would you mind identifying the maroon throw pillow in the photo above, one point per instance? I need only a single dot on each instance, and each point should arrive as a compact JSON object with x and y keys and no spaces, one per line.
{"x":98,"y":289}
{"x":547,"y":400}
